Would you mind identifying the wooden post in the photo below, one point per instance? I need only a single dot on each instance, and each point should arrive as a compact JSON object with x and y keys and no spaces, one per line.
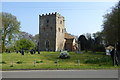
{"x":57,"y":62}
{"x":99,"y":62}
{"x":106,"y":60}
{"x":78,"y":62}
{"x":35,"y":63}
{"x":13,"y":62}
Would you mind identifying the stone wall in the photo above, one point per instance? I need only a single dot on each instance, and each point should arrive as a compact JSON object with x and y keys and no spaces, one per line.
{"x":60,"y":32}
{"x":47,"y":31}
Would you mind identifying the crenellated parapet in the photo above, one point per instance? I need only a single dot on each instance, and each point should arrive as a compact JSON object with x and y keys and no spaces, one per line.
{"x":49,"y":14}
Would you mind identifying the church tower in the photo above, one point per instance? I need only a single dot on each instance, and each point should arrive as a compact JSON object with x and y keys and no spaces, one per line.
{"x":51,"y":32}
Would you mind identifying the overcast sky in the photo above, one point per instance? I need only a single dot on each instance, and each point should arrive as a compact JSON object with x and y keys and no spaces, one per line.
{"x":80,"y":17}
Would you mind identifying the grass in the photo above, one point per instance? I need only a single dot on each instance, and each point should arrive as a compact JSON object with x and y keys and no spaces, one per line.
{"x":48,"y":60}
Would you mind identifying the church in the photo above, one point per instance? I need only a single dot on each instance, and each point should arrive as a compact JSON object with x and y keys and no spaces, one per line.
{"x":52,"y":35}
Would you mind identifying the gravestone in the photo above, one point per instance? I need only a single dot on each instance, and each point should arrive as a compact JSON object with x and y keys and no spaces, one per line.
{"x":34,"y":51}
{"x":17,"y":51}
{"x":31,"y":52}
{"x":38,"y":52}
{"x":22,"y":52}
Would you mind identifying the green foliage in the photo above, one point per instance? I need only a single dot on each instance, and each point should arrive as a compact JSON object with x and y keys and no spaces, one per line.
{"x":11,"y":66}
{"x":3,"y":62}
{"x":39,"y":61}
{"x":24,"y":44}
{"x":10,"y":29}
{"x":19,"y":62}
{"x":111,"y":25}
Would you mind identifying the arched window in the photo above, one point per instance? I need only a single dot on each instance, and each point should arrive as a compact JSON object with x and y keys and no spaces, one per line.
{"x":60,"y":22}
{"x":44,"y":28}
{"x":47,"y":45}
{"x":51,"y":28}
{"x":47,"y":20}
{"x":62,"y":30}
{"x":59,"y":29}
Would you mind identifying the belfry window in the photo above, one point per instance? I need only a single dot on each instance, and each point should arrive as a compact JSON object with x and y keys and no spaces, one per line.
{"x":44,"y":28}
{"x":62,"y":30}
{"x":51,"y":28}
{"x":60,"y":22}
{"x":47,"y":21}
{"x":59,"y":29}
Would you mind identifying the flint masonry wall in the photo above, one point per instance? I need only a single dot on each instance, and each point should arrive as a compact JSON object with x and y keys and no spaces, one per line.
{"x":51,"y":32}
{"x":60,"y":32}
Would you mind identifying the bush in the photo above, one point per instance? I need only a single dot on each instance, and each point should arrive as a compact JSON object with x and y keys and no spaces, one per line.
{"x":19,"y":62}
{"x":39,"y":61}
{"x":3,"y":62}
{"x":64,"y":55}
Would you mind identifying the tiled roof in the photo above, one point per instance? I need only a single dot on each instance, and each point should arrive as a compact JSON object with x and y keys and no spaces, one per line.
{"x":68,"y":36}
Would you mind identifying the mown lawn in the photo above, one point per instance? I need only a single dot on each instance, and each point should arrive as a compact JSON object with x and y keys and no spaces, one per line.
{"x":48,"y":60}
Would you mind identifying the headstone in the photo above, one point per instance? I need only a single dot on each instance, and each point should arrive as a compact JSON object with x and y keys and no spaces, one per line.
{"x":26,"y":51}
{"x":22,"y":52}
{"x":31,"y":52}
{"x":8,"y":51}
{"x":34,"y":51}
{"x":17,"y":51}
{"x":38,"y":52}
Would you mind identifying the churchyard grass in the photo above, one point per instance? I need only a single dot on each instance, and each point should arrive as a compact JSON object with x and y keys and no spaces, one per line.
{"x":48,"y":60}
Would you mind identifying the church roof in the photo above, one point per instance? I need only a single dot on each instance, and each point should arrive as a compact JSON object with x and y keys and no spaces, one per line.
{"x":68,"y":36}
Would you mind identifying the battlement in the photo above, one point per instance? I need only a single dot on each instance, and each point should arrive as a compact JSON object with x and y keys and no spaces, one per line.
{"x":49,"y":14}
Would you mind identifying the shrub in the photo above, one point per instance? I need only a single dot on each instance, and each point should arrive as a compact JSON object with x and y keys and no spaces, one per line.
{"x":64,"y":55}
{"x":19,"y":62}
{"x":39,"y":61}
{"x":11,"y":65}
{"x":3,"y":62}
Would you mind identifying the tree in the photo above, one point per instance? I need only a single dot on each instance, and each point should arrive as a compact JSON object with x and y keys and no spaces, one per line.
{"x":98,"y":42}
{"x":36,"y":41}
{"x":82,"y":39}
{"x":25,"y":35}
{"x":0,"y":33}
{"x":111,"y":26}
{"x":10,"y":29}
{"x":24,"y":44}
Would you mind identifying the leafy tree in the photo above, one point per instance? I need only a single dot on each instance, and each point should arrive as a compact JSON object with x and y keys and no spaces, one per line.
{"x":25,"y":35}
{"x":24,"y":44}
{"x":0,"y":32}
{"x":36,"y":41}
{"x":10,"y":29}
{"x":90,"y":44}
{"x":98,"y":42}
{"x":111,"y":26}
{"x":83,"y":41}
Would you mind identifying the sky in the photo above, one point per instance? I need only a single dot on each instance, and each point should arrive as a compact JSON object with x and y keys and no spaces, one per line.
{"x":80,"y":17}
